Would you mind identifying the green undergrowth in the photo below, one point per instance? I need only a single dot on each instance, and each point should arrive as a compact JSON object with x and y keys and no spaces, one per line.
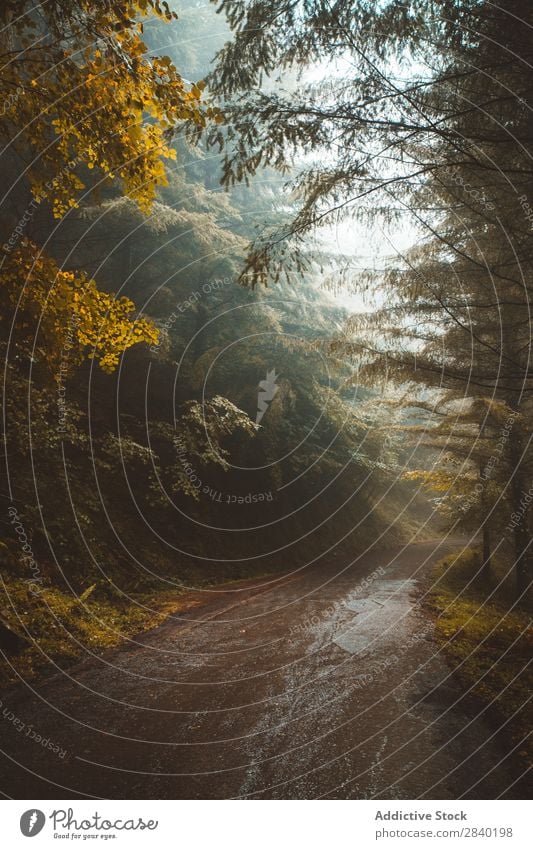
{"x":64,"y":628}
{"x":487,"y":640}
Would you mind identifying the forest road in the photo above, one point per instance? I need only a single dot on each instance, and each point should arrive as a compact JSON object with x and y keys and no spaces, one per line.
{"x":328,"y":683}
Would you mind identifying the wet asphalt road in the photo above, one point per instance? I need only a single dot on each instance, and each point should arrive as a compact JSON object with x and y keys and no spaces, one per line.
{"x":326,"y":684}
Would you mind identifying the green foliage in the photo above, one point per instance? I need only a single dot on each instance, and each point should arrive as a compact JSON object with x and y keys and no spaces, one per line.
{"x":445,"y":145}
{"x":63,"y":626}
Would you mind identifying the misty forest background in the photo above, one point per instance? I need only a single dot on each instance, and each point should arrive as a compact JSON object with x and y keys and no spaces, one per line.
{"x":337,"y":192}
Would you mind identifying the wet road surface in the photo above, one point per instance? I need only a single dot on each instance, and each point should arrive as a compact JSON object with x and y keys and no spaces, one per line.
{"x":326,"y":684}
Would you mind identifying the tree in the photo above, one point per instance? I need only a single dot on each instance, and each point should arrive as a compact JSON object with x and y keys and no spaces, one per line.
{"x":377,"y":128}
{"x":83,"y":105}
{"x":469,"y":469}
{"x":84,"y":91}
{"x":448,"y":145}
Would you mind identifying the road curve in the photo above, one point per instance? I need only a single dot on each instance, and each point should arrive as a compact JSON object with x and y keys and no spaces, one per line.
{"x":327,"y":684}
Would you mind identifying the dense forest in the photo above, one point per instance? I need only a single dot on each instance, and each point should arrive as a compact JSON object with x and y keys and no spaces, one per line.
{"x":265,"y":304}
{"x":135,"y":458}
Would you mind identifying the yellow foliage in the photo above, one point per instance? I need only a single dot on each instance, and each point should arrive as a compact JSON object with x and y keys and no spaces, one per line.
{"x":87,"y":98}
{"x":434,"y":480}
{"x":70,"y":316}
{"x":110,"y":109}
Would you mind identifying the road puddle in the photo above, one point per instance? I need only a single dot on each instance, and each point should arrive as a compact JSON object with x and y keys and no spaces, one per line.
{"x":382,"y":617}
